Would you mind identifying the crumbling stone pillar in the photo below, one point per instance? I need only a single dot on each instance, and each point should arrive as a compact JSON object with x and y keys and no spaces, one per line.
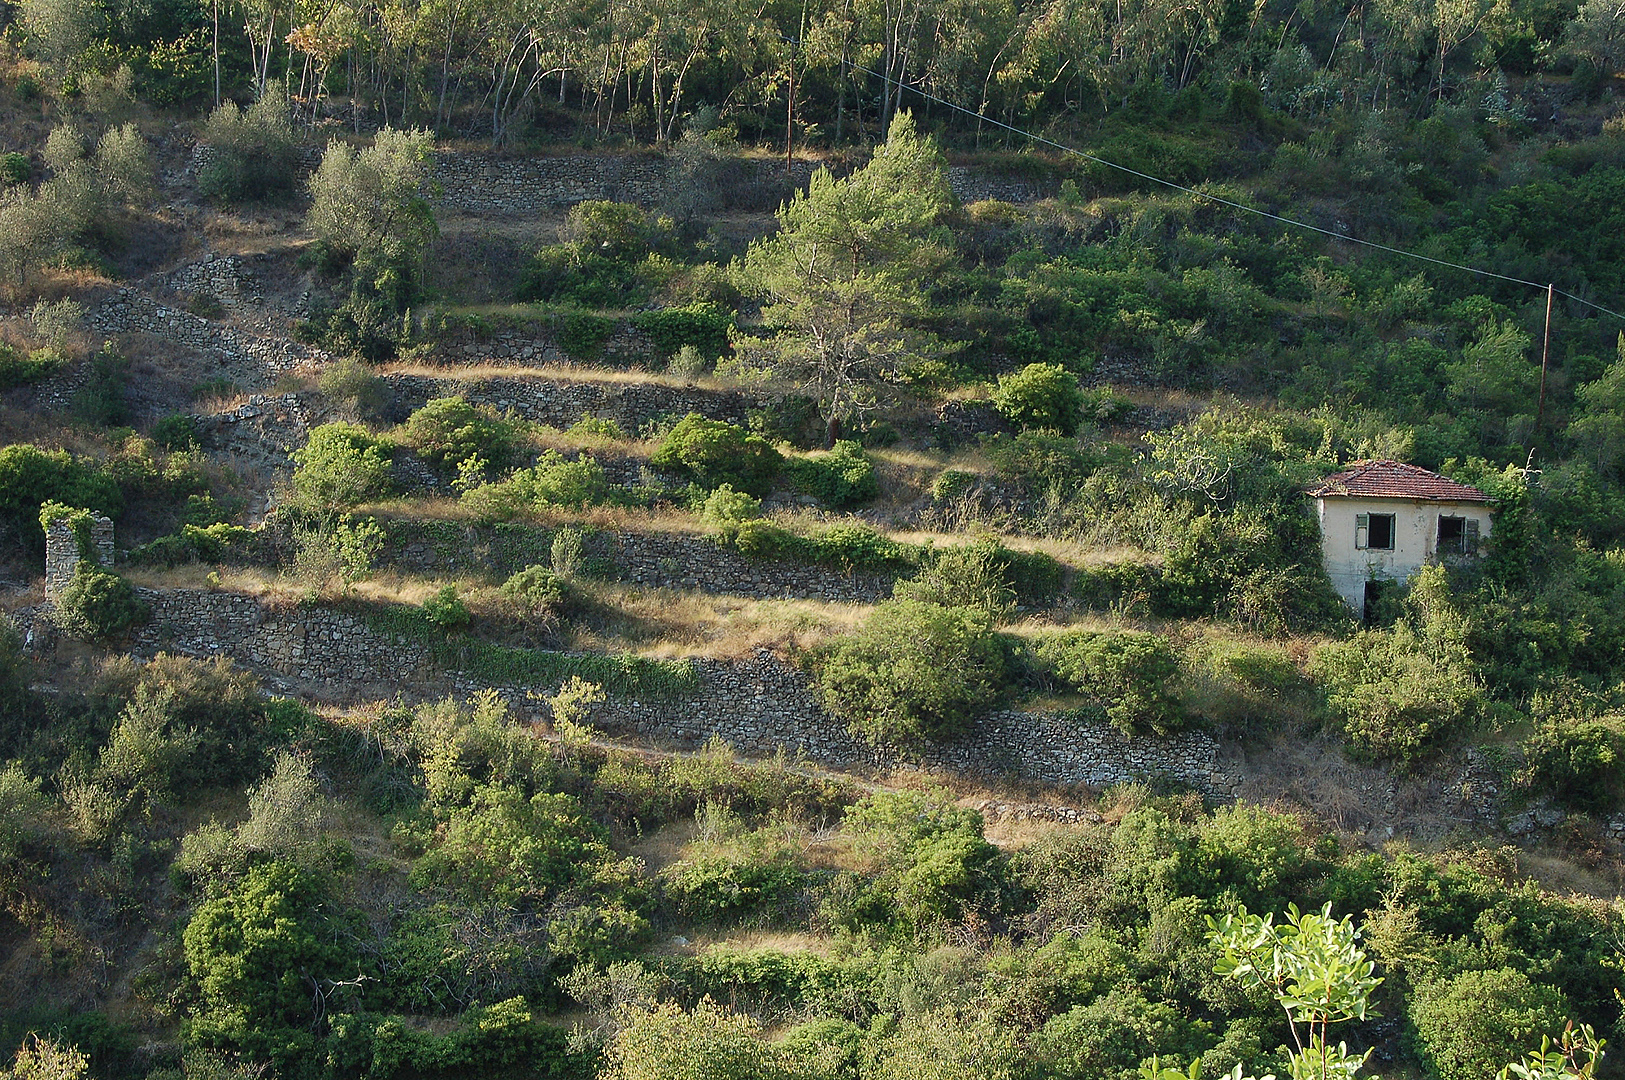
{"x":63,"y":544}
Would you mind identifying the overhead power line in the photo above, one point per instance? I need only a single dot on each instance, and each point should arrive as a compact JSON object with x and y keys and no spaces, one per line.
{"x":1222,"y":201}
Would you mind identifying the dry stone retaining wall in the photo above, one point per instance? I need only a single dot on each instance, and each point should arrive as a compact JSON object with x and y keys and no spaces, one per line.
{"x":252,"y":360}
{"x":758,"y":704}
{"x":561,"y":403}
{"x":486,"y":185}
{"x":657,"y":560}
{"x":761,"y":704}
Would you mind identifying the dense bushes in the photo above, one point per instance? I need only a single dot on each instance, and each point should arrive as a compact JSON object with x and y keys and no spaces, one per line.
{"x":1131,"y":675}
{"x":1470,"y":1025}
{"x":30,"y":477}
{"x":447,"y":431}
{"x":912,"y":671}
{"x":1581,"y":763}
{"x":339,"y":466}
{"x":844,"y":477}
{"x":1044,"y":396}
{"x":251,"y":151}
{"x":96,"y":604}
{"x":714,"y":452}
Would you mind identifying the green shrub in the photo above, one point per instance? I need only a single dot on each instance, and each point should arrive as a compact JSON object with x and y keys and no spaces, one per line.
{"x":534,"y":590}
{"x":17,"y":369}
{"x":725,"y":510}
{"x":768,"y":977}
{"x":177,"y":431}
{"x":253,"y":151}
{"x":193,"y":543}
{"x":15,"y":168}
{"x":713,"y":885}
{"x":448,"y":430}
{"x":972,"y":575}
{"x":595,"y":427}
{"x":252,"y":954}
{"x":1399,"y":696}
{"x":101,"y":400}
{"x":1040,"y":396}
{"x":844,"y":477}
{"x":1581,"y":763}
{"x":512,"y":850}
{"x":912,"y":671}
{"x":582,"y":336}
{"x":936,"y":868}
{"x":553,"y":481}
{"x":951,"y":484}
{"x":703,"y":327}
{"x":339,"y":466}
{"x":849,"y":547}
{"x":1108,"y":1038}
{"x":97,"y":604}
{"x":714,"y":452}
{"x":1469,"y":1026}
{"x":1130,"y":674}
{"x":446,"y":609}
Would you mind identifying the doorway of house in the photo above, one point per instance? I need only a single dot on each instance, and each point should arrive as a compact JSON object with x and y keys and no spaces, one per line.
{"x":1374,"y":592}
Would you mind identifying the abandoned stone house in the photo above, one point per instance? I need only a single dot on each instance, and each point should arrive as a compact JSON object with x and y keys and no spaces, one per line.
{"x":1381,"y":521}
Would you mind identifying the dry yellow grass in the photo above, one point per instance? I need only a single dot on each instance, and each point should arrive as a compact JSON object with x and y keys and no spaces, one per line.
{"x":464,"y":377}
{"x":678,"y":623}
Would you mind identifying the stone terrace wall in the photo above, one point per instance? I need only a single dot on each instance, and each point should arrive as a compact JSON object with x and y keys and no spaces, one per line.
{"x":695,"y":562}
{"x":562,"y":403}
{"x":490,"y":186}
{"x":309,"y":643}
{"x":250,"y":360}
{"x":761,"y":704}
{"x":758,"y":704}
{"x":534,"y":345}
{"x":669,"y":560}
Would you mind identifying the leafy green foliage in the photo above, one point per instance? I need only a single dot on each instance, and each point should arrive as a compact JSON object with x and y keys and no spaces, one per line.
{"x":251,"y":151}
{"x":449,"y":430}
{"x":912,"y":671}
{"x":1130,"y":674}
{"x":446,"y":609}
{"x":553,"y":481}
{"x":1581,"y":763}
{"x":97,"y":604}
{"x":253,"y":952}
{"x":714,"y":452}
{"x":20,"y":369}
{"x":844,"y":276}
{"x":1041,"y":396}
{"x":1473,"y":1023}
{"x":841,"y":478}
{"x":341,"y":465}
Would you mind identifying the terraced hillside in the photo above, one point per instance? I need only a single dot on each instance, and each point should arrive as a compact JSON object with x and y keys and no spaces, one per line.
{"x":589,"y":614}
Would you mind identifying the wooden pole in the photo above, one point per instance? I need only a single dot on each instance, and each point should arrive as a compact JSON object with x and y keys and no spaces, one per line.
{"x":1545,"y":352}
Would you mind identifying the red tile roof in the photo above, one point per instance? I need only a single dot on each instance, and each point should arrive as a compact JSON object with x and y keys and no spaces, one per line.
{"x":1393,"y":480}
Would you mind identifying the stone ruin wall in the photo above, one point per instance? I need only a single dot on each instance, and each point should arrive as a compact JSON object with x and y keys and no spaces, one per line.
{"x":653,"y":560}
{"x":758,"y":704}
{"x":562,"y":403}
{"x":62,"y":556}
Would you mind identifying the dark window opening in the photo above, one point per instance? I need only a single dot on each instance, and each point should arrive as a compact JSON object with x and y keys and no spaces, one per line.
{"x":1374,"y":531}
{"x":1452,"y":531}
{"x":1458,"y":536}
{"x":1372,"y":609}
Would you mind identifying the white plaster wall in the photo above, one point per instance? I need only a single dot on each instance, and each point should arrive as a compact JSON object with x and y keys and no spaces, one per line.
{"x":1416,"y":530}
